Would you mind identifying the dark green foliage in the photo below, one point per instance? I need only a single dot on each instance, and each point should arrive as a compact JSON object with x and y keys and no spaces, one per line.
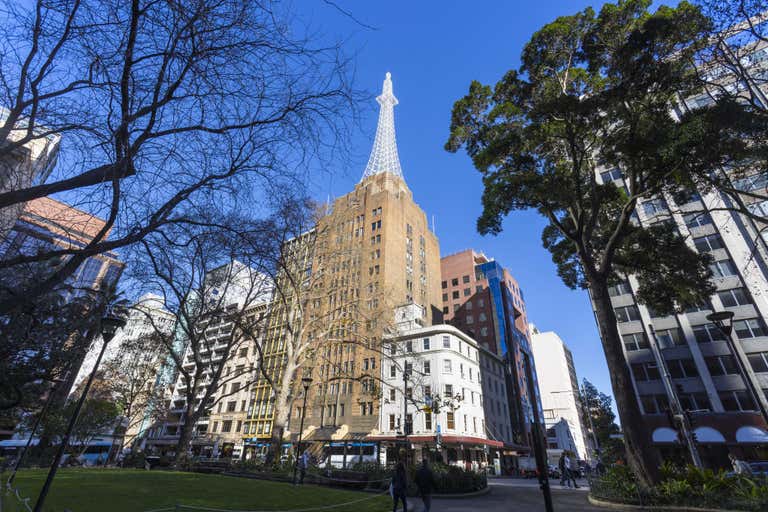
{"x":598,"y":406}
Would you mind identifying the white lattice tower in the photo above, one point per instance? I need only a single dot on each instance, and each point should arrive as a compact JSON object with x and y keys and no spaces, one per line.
{"x":384,"y":156}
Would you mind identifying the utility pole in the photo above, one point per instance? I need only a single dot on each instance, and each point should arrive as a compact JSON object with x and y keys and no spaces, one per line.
{"x":674,"y":402}
{"x":538,"y":435}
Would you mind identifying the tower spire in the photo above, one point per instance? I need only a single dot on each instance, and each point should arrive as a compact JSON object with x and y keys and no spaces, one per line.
{"x":384,"y":156}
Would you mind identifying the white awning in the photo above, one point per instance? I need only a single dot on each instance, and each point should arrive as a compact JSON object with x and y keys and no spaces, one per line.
{"x":664,"y":435}
{"x":709,"y":435}
{"x":751,"y":435}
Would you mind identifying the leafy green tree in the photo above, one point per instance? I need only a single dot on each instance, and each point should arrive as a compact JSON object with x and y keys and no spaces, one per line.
{"x":597,"y":412}
{"x":595,"y":92}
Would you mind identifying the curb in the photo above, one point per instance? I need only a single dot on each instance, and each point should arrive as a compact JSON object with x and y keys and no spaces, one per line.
{"x":481,"y":492}
{"x":657,"y":508}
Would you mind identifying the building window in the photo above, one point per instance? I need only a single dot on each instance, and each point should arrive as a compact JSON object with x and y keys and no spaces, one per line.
{"x":750,"y":328}
{"x":708,"y":243}
{"x":448,"y":391}
{"x":470,"y":319}
{"x":391,"y":422}
{"x":467,"y":292}
{"x":645,"y":371}
{"x":445,"y":297}
{"x":426,"y":344}
{"x":444,"y":284}
{"x":627,"y":313}
{"x":446,"y":342}
{"x":455,"y":294}
{"x":447,"y":366}
{"x":409,"y":346}
{"x":427,"y":368}
{"x":654,"y":404}
{"x":215,"y":426}
{"x":428,"y":421}
{"x":654,"y":206}
{"x":612,"y":175}
{"x":707,"y":333}
{"x":226,"y":426}
{"x":455,"y":281}
{"x":737,"y":401}
{"x":635,"y":341}
{"x":723,"y":268}
{"x":450,"y":421}
{"x":693,"y":220}
{"x":231,"y":406}
{"x":465,"y":279}
{"x":669,"y":338}
{"x":734,"y":297}
{"x":619,"y":289}
{"x":682,"y":368}
{"x":445,"y":310}
{"x":721,"y":365}
{"x":759,"y":362}
{"x":393,"y":371}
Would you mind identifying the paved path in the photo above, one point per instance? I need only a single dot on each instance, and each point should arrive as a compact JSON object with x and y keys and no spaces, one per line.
{"x":513,"y":495}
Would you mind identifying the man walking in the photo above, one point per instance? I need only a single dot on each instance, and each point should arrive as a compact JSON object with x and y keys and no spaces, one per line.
{"x":425,"y":481}
{"x":399,"y":487}
{"x":569,"y":473}
{"x":303,"y":465}
{"x":563,"y":470}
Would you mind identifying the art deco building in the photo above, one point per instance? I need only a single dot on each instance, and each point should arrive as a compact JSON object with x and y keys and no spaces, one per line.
{"x":370,"y":252}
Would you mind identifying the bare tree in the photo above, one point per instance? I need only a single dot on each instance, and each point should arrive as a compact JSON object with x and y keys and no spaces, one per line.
{"x":163,"y":107}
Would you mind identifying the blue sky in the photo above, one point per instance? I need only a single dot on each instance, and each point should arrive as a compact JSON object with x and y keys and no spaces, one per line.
{"x":434,"y":50}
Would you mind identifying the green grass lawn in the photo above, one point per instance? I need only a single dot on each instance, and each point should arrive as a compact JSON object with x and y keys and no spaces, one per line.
{"x":128,"y":490}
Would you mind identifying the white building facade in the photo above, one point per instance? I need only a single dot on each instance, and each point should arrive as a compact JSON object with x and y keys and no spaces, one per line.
{"x":443,"y":415}
{"x":560,"y":397}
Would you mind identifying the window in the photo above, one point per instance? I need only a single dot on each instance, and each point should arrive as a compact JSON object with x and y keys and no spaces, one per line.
{"x":467,"y":292}
{"x":447,"y":366}
{"x":231,"y":406}
{"x":654,"y":206}
{"x":226,"y":426}
{"x":750,"y":328}
{"x":445,"y":310}
{"x":444,"y":284}
{"x":392,"y":395}
{"x":448,"y":393}
{"x":682,"y":368}
{"x":721,"y":365}
{"x":723,"y":268}
{"x":754,"y":182}
{"x":707,"y":333}
{"x":693,"y":220}
{"x":446,"y":342}
{"x":470,"y":319}
{"x":393,"y":371}
{"x":708,"y":243}
{"x":737,"y":401}
{"x":215,"y":426}
{"x":428,"y":421}
{"x":759,"y":362}
{"x":645,"y":371}
{"x":635,"y":341}
{"x":445,"y":297}
{"x":654,"y":404}
{"x":451,"y":423}
{"x":455,"y":294}
{"x":734,"y":297}
{"x":427,"y":368}
{"x":409,"y":346}
{"x":465,"y":279}
{"x":669,"y":338}
{"x":694,"y":401}
{"x":612,"y":175}
{"x":627,"y":313}
{"x":426,"y":344}
{"x":619,"y":289}
{"x":455,"y":281}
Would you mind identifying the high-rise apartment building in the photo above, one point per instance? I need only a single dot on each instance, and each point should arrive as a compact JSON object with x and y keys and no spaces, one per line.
{"x":481,"y":298}
{"x":684,"y":357}
{"x":560,"y":395}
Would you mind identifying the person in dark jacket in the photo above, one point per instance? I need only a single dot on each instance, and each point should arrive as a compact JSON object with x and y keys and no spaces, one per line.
{"x":399,"y":487}
{"x":425,"y":481}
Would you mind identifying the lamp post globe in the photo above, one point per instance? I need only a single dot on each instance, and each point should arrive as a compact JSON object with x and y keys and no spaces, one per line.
{"x":723,"y":320}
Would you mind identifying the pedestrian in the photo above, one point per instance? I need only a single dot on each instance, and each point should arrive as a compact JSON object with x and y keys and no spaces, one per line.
{"x":399,"y":487}
{"x":569,"y":472}
{"x":303,"y":465}
{"x":740,"y":467}
{"x":563,"y":470}
{"x":425,"y":481}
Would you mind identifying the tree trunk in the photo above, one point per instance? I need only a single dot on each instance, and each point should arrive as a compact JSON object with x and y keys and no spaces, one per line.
{"x":185,"y":437}
{"x":642,"y":458}
{"x":281,"y":412}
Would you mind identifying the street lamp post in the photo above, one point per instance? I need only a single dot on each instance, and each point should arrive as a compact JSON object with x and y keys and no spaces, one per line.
{"x":305,"y":382}
{"x":723,"y":320}
{"x":110,"y":323}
